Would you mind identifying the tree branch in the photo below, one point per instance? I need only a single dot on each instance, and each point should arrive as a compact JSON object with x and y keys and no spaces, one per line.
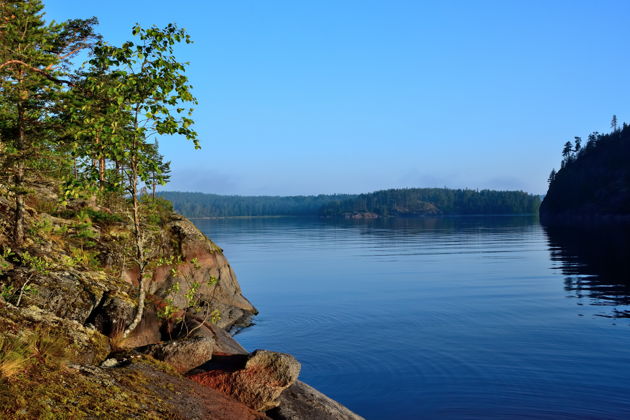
{"x":63,"y":57}
{"x":36,"y":70}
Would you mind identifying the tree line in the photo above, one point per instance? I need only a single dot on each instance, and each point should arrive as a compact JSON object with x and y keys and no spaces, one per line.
{"x":198,"y":205}
{"x":394,"y":202}
{"x":434,"y":201}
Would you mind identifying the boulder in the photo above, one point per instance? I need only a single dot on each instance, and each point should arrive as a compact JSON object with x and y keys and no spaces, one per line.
{"x":116,"y":311}
{"x":113,"y":313}
{"x":224,"y":344}
{"x":183,"y":354}
{"x":202,"y":263}
{"x":256,"y":380}
{"x":68,"y":294}
{"x":303,"y":402}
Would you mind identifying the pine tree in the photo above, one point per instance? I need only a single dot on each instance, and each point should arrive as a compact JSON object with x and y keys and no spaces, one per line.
{"x":567,"y":151}
{"x":613,"y":123}
{"x":578,"y":144}
{"x":34,"y":57}
{"x":552,"y":176}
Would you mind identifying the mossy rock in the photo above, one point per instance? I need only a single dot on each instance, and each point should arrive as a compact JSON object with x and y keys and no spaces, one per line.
{"x":142,"y":389}
{"x":85,"y":345}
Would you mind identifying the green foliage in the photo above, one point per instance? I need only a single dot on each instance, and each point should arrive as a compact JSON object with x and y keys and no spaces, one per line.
{"x":7,"y":292}
{"x":191,"y":294}
{"x":212,"y":281}
{"x":10,"y":294}
{"x":215,"y":316}
{"x":38,"y":264}
{"x":90,"y":126}
{"x":7,"y":253}
{"x":42,"y":227}
{"x":77,"y":187}
{"x":170,"y":260}
{"x":142,"y":89}
{"x":34,"y":61}
{"x":80,"y":257}
{"x":157,"y":211}
{"x":103,"y":217}
{"x":83,"y":228}
{"x":168,"y":310}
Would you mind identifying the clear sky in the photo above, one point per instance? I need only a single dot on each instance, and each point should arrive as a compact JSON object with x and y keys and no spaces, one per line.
{"x":343,"y":96}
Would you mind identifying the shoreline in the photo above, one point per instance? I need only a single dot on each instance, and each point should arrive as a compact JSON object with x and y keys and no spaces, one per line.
{"x":361,"y":218}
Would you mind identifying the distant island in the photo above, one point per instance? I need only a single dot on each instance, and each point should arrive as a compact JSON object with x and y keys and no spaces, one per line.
{"x":200,"y":205}
{"x":406,"y":202}
{"x":593,"y":182}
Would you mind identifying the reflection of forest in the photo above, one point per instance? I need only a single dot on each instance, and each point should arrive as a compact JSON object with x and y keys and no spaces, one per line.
{"x":595,"y":260}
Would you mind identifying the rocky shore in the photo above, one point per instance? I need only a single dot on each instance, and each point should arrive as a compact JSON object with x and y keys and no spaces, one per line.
{"x":185,"y":365}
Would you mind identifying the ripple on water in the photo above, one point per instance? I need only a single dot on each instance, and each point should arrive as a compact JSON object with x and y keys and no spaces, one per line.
{"x":441,"y":318}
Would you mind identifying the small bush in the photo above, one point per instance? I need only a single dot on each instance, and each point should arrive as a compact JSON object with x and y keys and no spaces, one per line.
{"x":157,"y":210}
{"x":42,"y":227}
{"x":104,"y":218}
{"x":81,"y":258}
{"x":83,"y":229}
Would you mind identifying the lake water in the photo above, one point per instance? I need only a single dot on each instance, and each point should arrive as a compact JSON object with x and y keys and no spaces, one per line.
{"x":442,"y":318}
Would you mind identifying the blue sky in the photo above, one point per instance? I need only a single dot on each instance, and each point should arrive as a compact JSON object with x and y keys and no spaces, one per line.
{"x":322,"y":96}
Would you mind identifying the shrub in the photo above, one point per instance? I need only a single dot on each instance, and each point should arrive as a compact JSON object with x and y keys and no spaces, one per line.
{"x":103,"y":218}
{"x":157,"y":210}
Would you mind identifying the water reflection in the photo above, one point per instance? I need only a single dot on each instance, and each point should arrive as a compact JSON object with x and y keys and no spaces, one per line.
{"x":441,"y":223}
{"x":595,"y":261}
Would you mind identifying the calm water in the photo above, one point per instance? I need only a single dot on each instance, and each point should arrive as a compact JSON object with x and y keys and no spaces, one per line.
{"x":450,"y":318}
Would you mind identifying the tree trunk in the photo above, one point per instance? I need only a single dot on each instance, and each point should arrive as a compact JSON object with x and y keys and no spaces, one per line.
{"x":137,"y":230}
{"x":18,"y":227}
{"x":101,"y":171}
{"x":100,"y":162}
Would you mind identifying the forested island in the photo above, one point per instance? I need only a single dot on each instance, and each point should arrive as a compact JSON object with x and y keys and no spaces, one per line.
{"x":406,"y":202}
{"x":199,"y":205}
{"x":409,"y":202}
{"x":593,"y":182}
